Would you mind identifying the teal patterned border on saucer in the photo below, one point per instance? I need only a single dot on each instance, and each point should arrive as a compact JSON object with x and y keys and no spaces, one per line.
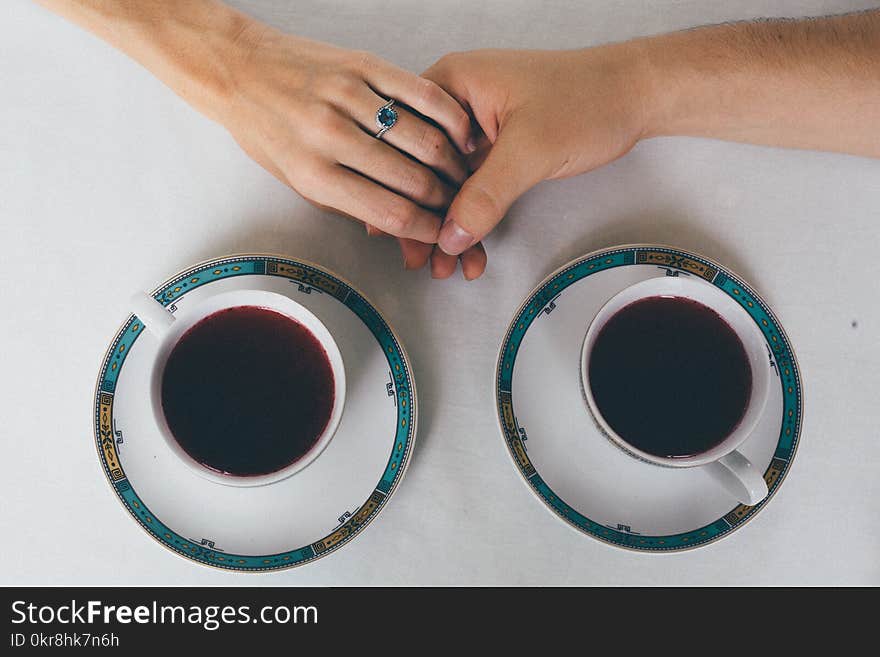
{"x":308,"y":277}
{"x":675,"y":262}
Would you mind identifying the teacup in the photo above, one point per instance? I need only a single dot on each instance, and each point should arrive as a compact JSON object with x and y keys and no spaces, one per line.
{"x":168,"y":329}
{"x":722,"y":461}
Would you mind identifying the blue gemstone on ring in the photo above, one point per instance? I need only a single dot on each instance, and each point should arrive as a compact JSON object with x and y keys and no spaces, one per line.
{"x":386,"y":117}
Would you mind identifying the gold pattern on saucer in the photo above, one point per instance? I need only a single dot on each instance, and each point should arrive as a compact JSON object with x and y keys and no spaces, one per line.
{"x":369,"y":506}
{"x":305,"y":276}
{"x":672,"y":260}
{"x":108,"y":440}
{"x":513,"y":434}
{"x":359,"y":518}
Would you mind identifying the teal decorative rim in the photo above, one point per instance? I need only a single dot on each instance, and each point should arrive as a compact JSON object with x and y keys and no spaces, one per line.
{"x":675,"y":261}
{"x":305,"y":274}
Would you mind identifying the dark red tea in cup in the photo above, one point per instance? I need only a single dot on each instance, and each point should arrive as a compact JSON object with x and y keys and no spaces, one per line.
{"x":670,"y":376}
{"x":247,"y":391}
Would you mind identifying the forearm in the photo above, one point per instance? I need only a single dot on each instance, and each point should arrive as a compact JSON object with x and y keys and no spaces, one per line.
{"x":188,"y":44}
{"x":812,"y":83}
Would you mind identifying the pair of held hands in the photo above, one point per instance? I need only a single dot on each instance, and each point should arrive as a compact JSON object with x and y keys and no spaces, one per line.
{"x":473,"y":133}
{"x":478,"y":129}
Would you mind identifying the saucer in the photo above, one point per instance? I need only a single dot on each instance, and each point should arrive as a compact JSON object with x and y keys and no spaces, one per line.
{"x":293,"y":521}
{"x":562,"y":455}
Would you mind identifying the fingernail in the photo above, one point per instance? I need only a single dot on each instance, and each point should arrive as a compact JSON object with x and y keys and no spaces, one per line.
{"x":454,"y":239}
{"x":404,"y":263}
{"x":471,"y":145}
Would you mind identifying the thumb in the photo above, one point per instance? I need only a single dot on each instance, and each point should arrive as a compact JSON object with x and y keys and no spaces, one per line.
{"x":485,"y":197}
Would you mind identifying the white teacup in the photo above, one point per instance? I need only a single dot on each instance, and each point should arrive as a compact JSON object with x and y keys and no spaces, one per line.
{"x":168,"y":328}
{"x":733,"y":471}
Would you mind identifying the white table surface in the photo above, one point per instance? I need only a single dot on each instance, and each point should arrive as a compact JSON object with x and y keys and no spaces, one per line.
{"x":109,"y":183}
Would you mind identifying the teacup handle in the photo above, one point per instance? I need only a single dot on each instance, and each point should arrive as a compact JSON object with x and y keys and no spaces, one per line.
{"x":736,"y":474}
{"x":156,"y":318}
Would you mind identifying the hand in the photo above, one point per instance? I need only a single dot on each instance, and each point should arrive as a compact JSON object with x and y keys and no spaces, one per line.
{"x":543,"y":114}
{"x":306,"y":112}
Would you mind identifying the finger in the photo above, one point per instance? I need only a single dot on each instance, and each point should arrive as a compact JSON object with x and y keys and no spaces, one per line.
{"x":426,"y":143}
{"x":423,"y":95}
{"x":352,"y":194}
{"x":475,"y":160}
{"x":410,"y":134}
{"x":388,"y":166}
{"x":415,"y":254}
{"x":445,"y":74}
{"x":487,"y":195}
{"x":442,"y":264}
{"x":473,"y":262}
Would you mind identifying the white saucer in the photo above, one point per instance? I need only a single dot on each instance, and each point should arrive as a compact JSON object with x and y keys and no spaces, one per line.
{"x":299,"y":519}
{"x":572,"y":468}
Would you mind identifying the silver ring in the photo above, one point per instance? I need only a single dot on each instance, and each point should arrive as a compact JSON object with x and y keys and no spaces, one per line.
{"x":386,"y":117}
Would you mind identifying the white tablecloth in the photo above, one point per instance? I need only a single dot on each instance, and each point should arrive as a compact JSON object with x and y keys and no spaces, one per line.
{"x":109,"y":183}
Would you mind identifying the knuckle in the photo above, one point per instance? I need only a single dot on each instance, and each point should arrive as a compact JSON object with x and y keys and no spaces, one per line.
{"x":428,"y":91}
{"x":397,"y":217}
{"x":364,"y":60}
{"x":418,"y":185}
{"x":431,"y":143}
{"x":479,"y":202}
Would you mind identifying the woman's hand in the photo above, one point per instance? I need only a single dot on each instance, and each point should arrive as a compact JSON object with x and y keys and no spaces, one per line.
{"x":306,"y":111}
{"x":543,"y":114}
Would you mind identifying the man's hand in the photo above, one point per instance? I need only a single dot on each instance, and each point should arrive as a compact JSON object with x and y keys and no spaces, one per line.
{"x":543,"y":114}
{"x":810,"y":83}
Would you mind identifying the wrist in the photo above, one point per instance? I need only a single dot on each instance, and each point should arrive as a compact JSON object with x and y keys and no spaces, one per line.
{"x":193,"y":46}
{"x":642,"y":97}
{"x":701,"y":83}
{"x":197,"y":53}
{"x":658,"y":86}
